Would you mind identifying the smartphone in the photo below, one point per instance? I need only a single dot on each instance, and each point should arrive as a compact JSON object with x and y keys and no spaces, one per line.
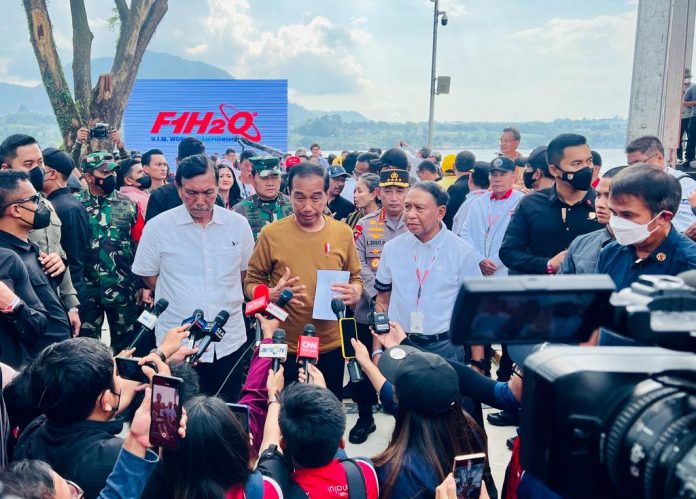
{"x":348,"y":330}
{"x":128,"y":368}
{"x":468,"y":475}
{"x":165,"y":411}
{"x":241,"y":412}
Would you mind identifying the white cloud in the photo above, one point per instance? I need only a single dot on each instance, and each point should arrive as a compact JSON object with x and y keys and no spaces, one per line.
{"x":98,"y":23}
{"x":197,"y":49}
{"x":315,"y":54}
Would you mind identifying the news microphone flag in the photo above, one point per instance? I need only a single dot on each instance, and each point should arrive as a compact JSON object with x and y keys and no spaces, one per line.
{"x":148,"y":320}
{"x":278,"y":339}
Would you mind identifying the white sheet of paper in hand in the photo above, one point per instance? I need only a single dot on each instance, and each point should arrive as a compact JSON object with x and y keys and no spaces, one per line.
{"x":324,"y":295}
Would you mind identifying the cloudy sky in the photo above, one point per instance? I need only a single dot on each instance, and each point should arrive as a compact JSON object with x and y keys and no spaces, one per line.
{"x":509,"y":60}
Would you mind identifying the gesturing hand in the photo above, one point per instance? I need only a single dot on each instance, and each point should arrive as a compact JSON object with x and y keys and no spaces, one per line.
{"x":291,"y":283}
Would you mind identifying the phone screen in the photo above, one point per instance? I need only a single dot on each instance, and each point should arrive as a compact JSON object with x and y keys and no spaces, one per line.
{"x":468,"y":475}
{"x":129,"y":369}
{"x":241,"y":412}
{"x":348,"y":329}
{"x":165,"y":411}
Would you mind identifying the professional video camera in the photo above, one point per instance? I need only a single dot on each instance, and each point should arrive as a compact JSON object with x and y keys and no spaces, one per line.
{"x":100,"y":131}
{"x":603,"y":422}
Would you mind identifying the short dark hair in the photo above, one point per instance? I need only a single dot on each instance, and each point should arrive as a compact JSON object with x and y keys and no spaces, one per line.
{"x":349,"y":162}
{"x":514,"y":131}
{"x":9,"y":185}
{"x":9,"y":146}
{"x":433,"y":188}
{"x":613,"y":172}
{"x":67,"y":377}
{"x":147,"y":157}
{"x":480,"y":174}
{"x":307,"y":169}
{"x":312,"y":422}
{"x":645,"y":144}
{"x":247,"y":154}
{"x":658,"y":189}
{"x":366,"y":157}
{"x":428,"y":166}
{"x":464,"y":161}
{"x":424,"y":151}
{"x":193,"y":166}
{"x":596,"y":158}
{"x":230,"y":150}
{"x":395,"y":157}
{"x":124,"y":169}
{"x":314,"y":145}
{"x":28,"y":479}
{"x":556,"y":148}
{"x":190,"y":146}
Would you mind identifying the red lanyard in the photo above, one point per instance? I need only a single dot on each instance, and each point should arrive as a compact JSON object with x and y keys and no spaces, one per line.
{"x":422,"y":277}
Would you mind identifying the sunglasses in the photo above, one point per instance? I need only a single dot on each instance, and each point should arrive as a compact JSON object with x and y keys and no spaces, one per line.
{"x":35,"y":198}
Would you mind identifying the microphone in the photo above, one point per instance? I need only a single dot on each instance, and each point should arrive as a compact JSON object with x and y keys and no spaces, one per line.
{"x":284,"y":298}
{"x":214,"y":332}
{"x":195,"y":325}
{"x":279,"y":339}
{"x":308,"y":348}
{"x":276,"y":309}
{"x":257,"y":306}
{"x":339,"y":308}
{"x":148,"y":320}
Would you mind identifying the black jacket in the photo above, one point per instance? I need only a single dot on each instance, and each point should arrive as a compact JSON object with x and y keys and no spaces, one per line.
{"x":75,"y":235}
{"x":83,"y":452}
{"x":457,"y":192}
{"x":20,"y":329}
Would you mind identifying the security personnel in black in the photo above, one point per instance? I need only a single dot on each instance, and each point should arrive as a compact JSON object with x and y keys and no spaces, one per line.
{"x":545,"y":222}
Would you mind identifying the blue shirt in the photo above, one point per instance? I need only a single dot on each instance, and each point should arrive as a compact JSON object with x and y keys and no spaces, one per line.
{"x":675,"y":255}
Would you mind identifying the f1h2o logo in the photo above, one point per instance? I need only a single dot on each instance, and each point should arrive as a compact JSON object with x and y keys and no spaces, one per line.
{"x":187,"y":122}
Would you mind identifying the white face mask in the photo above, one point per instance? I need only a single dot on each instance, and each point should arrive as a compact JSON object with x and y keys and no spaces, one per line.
{"x":627,"y":232}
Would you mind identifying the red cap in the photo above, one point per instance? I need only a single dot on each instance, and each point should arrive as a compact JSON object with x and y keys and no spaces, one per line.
{"x":292,"y":161}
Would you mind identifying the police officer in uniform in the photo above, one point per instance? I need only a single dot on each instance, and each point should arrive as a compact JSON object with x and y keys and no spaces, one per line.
{"x":111,"y":287}
{"x":372,"y":232}
{"x":268,"y":204}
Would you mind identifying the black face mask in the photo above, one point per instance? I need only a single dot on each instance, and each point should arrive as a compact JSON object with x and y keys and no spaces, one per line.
{"x":42,"y":216}
{"x":108,"y":184}
{"x":36,"y":177}
{"x":529,"y":180}
{"x":580,"y":180}
{"x":144,"y":182}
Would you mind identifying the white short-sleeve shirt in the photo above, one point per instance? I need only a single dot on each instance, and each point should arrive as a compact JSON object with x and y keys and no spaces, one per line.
{"x":198,"y":267}
{"x":453,"y":263}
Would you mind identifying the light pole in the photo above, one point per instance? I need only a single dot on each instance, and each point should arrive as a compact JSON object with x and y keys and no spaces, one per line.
{"x":433,"y":79}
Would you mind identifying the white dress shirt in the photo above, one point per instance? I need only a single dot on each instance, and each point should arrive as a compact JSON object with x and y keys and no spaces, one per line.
{"x":450,"y":261}
{"x":684,"y":215}
{"x":198,"y":267}
{"x":349,"y":189}
{"x":460,"y":216}
{"x":485,"y":225}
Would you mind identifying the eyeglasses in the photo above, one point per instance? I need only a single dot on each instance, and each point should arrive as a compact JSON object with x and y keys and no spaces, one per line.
{"x":36,"y":199}
{"x":75,"y":491}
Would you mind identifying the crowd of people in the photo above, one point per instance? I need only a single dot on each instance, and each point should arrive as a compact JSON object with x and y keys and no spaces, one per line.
{"x":92,"y":238}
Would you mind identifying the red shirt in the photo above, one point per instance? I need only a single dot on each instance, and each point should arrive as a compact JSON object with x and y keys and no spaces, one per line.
{"x":271,"y":490}
{"x":331,"y":481}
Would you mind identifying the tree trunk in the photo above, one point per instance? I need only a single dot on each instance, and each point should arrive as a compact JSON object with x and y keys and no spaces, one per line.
{"x":41,"y":36}
{"x":82,"y":58}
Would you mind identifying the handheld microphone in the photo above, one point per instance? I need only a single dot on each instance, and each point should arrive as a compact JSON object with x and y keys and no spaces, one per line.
{"x":195,"y":325}
{"x":339,"y":308}
{"x":276,"y":309}
{"x":214,"y":332}
{"x":258,"y":305}
{"x":308,"y":348}
{"x":148,"y":320}
{"x":284,"y":298}
{"x":278,"y":339}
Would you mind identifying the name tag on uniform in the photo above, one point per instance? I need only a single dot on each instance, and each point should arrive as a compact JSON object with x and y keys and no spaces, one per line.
{"x":417,"y":320}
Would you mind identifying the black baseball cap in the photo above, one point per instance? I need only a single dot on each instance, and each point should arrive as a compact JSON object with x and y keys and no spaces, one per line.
{"x":502,"y":164}
{"x":337,"y":171}
{"x":424,"y":382}
{"x":58,"y":160}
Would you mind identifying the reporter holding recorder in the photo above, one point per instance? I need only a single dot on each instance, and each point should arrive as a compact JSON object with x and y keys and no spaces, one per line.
{"x":288,"y":254}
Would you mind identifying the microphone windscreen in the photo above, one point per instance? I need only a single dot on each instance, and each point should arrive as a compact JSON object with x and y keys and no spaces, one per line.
{"x":261,"y":290}
{"x":160,"y":306}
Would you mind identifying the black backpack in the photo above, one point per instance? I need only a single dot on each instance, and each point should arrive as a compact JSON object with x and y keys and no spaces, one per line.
{"x":357,"y":489}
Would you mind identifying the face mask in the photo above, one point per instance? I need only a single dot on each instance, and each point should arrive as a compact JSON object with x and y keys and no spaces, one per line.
{"x":627,"y":232}
{"x":36,"y":177}
{"x":581,"y":180}
{"x":529,"y":180}
{"x":144,"y":182}
{"x":42,"y":216}
{"x":108,"y":184}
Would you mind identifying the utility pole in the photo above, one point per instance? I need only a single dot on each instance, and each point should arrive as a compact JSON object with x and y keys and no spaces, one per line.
{"x":433,"y":79}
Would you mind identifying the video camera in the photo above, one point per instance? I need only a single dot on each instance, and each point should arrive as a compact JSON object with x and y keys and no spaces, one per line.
{"x":601,"y":422}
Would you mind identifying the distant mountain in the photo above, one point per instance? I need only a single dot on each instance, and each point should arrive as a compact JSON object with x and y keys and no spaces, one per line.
{"x":298,"y":115}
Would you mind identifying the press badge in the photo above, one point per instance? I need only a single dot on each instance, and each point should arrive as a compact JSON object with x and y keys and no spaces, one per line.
{"x":417,"y":319}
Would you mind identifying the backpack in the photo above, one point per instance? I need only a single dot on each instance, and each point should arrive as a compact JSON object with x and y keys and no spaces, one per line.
{"x":357,"y":489}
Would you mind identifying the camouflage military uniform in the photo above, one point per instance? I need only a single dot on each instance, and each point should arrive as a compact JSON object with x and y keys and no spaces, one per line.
{"x":111,"y":286}
{"x":261,"y":213}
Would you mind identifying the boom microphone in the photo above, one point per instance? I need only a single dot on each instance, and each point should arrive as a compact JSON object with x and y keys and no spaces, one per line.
{"x":214,"y":332}
{"x":148,"y":320}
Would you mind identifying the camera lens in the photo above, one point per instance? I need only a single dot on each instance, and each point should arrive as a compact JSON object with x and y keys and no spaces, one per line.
{"x":650,"y":451}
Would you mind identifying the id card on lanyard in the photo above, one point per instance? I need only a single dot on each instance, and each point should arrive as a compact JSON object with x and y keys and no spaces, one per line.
{"x":417,"y":325}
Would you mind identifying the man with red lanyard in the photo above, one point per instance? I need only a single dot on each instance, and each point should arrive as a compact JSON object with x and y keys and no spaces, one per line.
{"x":421,"y":271}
